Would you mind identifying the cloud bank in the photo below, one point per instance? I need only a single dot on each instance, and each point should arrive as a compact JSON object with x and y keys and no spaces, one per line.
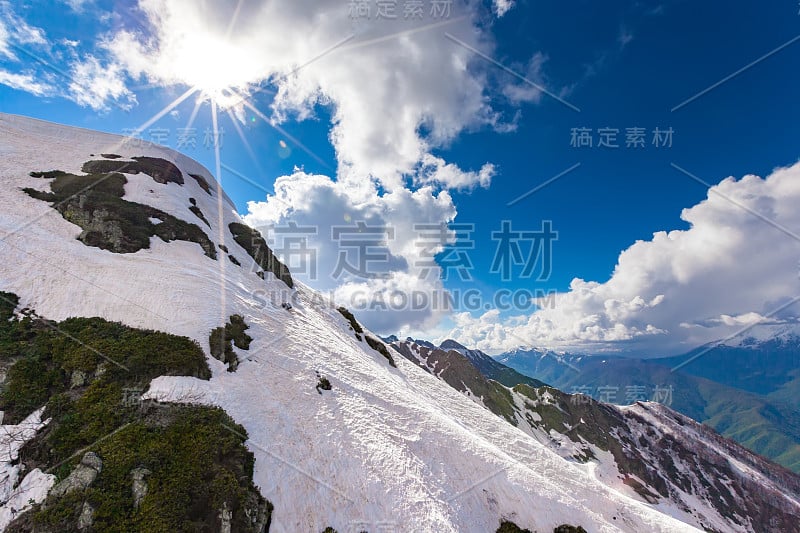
{"x":736,"y":265}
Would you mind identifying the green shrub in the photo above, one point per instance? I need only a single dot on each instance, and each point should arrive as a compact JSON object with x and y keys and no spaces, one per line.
{"x":507,"y":526}
{"x":221,"y":338}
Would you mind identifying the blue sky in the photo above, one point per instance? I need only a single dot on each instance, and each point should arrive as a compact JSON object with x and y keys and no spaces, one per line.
{"x":623,"y":64}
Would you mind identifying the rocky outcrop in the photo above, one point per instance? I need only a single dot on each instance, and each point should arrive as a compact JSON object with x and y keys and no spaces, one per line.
{"x":95,"y":203}
{"x":86,"y":519}
{"x":255,"y":245}
{"x":139,"y":487}
{"x":79,"y":479}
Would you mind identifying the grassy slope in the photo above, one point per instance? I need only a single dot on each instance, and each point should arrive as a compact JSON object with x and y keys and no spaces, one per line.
{"x":195,"y":454}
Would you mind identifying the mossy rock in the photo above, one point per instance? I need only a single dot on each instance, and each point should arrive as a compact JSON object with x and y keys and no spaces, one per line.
{"x":95,"y":203}
{"x":161,"y":170}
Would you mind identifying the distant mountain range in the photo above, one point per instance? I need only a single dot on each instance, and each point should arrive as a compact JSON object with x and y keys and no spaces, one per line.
{"x":664,"y":457}
{"x":747,"y":387}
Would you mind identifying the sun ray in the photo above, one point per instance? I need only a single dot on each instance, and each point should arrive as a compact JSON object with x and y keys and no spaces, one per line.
{"x":195,"y":111}
{"x":234,"y":18}
{"x":245,"y":142}
{"x":412,"y":31}
{"x":286,"y":134}
{"x":220,"y":211}
{"x":169,"y":107}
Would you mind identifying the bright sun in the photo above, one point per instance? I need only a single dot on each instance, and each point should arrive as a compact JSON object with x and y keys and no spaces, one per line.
{"x":214,"y":67}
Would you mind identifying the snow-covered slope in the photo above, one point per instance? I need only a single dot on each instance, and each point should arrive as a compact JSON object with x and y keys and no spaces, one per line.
{"x":645,"y":448}
{"x":385,"y":446}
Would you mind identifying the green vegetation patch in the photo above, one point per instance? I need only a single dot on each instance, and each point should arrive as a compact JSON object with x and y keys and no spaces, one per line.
{"x":506,"y":526}
{"x":257,"y":248}
{"x":161,"y":170}
{"x":95,"y":203}
{"x":192,"y":459}
{"x":222,"y":340}
{"x":48,"y":355}
{"x":197,"y":466}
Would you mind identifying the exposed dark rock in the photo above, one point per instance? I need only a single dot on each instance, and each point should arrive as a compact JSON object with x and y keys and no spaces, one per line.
{"x":257,"y":248}
{"x":461,"y":374}
{"x":354,"y":325}
{"x":199,"y":214}
{"x":79,"y":479}
{"x":323,"y":384}
{"x":379,"y":347}
{"x":506,"y":526}
{"x":202,"y":182}
{"x":566,"y":528}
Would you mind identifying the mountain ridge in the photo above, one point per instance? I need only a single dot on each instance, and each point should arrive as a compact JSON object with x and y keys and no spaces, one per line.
{"x":341,"y":435}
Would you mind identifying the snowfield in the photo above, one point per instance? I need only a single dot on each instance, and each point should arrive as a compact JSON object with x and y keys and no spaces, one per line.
{"x":386,"y":447}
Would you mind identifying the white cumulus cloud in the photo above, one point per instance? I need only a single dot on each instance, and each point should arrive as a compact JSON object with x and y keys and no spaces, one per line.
{"x":736,"y":265}
{"x":377,"y":281}
{"x":396,"y":88}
